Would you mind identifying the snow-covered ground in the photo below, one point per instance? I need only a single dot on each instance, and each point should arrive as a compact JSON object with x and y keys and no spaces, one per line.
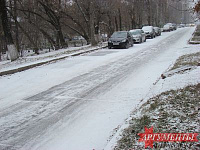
{"x":77,"y":103}
{"x":174,"y":82}
{"x":32,"y":58}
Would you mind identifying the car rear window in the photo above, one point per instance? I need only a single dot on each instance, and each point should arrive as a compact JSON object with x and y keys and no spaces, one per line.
{"x":119,"y":35}
{"x":147,"y":28}
{"x":135,"y":32}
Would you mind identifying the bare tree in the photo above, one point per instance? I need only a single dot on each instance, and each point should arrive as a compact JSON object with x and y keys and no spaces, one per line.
{"x":38,"y":24}
{"x":13,"y":53}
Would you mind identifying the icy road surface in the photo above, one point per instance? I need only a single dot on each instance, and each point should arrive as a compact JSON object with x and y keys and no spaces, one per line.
{"x":76,"y":104}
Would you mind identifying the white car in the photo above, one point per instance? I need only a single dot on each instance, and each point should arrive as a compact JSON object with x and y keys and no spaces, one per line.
{"x":138,"y":35}
{"x":166,"y":28}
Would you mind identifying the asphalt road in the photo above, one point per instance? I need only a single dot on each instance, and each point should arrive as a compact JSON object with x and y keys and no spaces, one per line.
{"x":25,"y":123}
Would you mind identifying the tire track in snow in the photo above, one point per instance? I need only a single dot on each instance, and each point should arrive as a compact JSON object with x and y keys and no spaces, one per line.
{"x":30,"y":119}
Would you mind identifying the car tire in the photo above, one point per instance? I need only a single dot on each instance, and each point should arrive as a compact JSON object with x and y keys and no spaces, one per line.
{"x":109,"y":47}
{"x":140,"y":40}
{"x":131,"y":44}
{"x":126,"y":46}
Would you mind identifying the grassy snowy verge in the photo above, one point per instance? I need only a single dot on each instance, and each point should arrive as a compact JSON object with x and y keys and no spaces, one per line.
{"x":175,"y":111}
{"x":187,"y":60}
{"x":196,"y":36}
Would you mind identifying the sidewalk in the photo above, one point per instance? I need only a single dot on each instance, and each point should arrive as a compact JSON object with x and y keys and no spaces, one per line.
{"x":25,"y":63}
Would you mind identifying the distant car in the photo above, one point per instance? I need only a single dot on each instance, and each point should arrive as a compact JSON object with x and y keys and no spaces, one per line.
{"x":77,"y":38}
{"x":149,"y":31}
{"x":138,"y":35}
{"x":172,"y":26}
{"x":121,"y":39}
{"x":166,"y":28}
{"x":157,"y":31}
{"x":192,"y":25}
{"x":182,"y":25}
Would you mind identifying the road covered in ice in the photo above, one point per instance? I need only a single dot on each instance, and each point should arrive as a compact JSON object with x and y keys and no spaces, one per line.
{"x":77,"y":103}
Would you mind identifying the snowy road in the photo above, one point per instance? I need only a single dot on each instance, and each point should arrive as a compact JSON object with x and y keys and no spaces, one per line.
{"x":75,"y":104}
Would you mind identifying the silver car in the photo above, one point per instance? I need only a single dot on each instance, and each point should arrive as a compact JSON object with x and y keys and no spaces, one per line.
{"x":138,"y":35}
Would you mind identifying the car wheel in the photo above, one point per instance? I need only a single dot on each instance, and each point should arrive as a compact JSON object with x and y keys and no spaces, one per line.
{"x":132,"y":44}
{"x":109,"y":47}
{"x":140,"y":40}
{"x":126,"y":46}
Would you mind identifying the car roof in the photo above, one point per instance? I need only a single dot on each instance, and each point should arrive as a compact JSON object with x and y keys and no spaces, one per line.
{"x":121,"y":31}
{"x":147,"y":26}
{"x":166,"y":25}
{"x":135,"y":30}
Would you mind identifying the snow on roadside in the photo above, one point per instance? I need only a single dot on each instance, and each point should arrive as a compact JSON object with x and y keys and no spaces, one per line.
{"x":177,"y":81}
{"x":174,"y":82}
{"x":29,"y":60}
{"x":174,"y":111}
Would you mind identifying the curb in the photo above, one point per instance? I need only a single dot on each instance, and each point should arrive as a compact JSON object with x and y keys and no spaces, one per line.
{"x":20,"y":69}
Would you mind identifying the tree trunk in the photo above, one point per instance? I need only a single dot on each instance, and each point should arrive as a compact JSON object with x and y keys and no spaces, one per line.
{"x":120,"y":19}
{"x":110,"y":25}
{"x":12,"y":51}
{"x":16,"y":27}
{"x":116,"y":24}
{"x":23,"y":30}
{"x":55,"y":21}
{"x":61,"y":39}
{"x":92,"y":28}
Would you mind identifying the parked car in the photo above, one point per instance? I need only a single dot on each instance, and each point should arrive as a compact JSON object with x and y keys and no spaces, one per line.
{"x":157,"y":31}
{"x":172,"y":26}
{"x":166,"y":28}
{"x":121,"y":39}
{"x":77,"y":38}
{"x":138,"y":35}
{"x":192,"y":25}
{"x":149,"y":31}
{"x":182,"y":25}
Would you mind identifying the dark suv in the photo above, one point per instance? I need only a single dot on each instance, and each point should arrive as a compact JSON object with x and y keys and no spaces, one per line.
{"x":121,"y":39}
